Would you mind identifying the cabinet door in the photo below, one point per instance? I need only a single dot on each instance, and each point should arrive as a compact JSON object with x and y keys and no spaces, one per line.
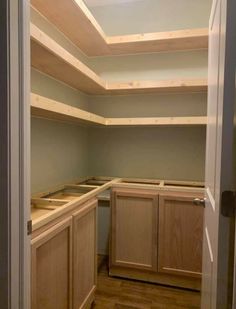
{"x":180,"y":235}
{"x":52,"y":267}
{"x":85,"y":260}
{"x":134,"y":229}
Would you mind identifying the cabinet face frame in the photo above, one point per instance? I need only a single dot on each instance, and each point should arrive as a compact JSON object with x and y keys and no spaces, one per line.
{"x":87,"y":209}
{"x":142,"y":194}
{"x":37,"y":243}
{"x":162,"y":244}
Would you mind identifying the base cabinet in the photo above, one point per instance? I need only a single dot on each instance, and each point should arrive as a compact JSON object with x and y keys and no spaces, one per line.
{"x":156,"y":236}
{"x":64,"y":262}
{"x":51,"y":258}
{"x":85,"y":259}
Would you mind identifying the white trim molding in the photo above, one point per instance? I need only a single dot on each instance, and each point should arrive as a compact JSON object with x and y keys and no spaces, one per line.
{"x":14,"y":154}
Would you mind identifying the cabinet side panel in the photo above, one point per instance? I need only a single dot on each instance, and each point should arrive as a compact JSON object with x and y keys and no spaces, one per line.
{"x":84,"y":257}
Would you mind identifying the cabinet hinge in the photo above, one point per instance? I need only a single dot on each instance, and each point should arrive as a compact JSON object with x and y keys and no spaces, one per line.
{"x":228,"y":203}
{"x":29,"y":227}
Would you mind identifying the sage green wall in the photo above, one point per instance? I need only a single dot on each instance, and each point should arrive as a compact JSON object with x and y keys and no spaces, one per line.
{"x":166,"y":153}
{"x":149,"y":105}
{"x":59,"y":153}
{"x":161,"y":152}
{"x":152,"y":16}
{"x":156,"y":66}
{"x":51,"y":88}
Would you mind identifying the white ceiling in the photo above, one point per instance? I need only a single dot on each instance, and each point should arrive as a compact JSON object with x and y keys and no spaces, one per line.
{"x":93,"y":3}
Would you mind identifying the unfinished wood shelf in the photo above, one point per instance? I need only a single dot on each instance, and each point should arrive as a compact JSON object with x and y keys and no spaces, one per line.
{"x":162,"y":86}
{"x":91,"y":39}
{"x":47,"y":108}
{"x":157,"y":121}
{"x":50,"y":109}
{"x":179,"y":40}
{"x":49,"y":57}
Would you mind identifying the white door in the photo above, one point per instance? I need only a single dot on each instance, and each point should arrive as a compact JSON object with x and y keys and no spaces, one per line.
{"x":219,"y":212}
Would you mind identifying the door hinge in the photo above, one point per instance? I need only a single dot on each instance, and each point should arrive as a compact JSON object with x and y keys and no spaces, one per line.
{"x":228,"y":203}
{"x":29,"y":227}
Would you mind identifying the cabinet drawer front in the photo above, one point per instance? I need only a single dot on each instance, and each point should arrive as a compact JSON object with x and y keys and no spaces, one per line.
{"x":180,"y":236}
{"x":134,"y":230}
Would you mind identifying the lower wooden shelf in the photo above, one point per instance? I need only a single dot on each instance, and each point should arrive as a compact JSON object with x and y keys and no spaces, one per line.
{"x":50,"y":109}
{"x":156,"y":121}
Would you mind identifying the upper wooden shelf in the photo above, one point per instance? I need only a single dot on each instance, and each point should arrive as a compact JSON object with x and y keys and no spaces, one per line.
{"x":51,"y":109}
{"x":74,"y":19}
{"x":190,"y":39}
{"x":49,"y":57}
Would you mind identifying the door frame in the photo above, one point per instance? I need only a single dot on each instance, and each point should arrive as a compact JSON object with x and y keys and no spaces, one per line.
{"x":14,"y":154}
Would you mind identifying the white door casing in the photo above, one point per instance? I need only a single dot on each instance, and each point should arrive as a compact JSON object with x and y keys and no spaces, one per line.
{"x":14,"y":154}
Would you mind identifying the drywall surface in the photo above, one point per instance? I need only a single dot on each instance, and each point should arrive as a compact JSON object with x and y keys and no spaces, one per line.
{"x":163,"y":152}
{"x":59,"y":153}
{"x":51,"y":88}
{"x":149,"y":105}
{"x":152,"y":16}
{"x":155,"y":66}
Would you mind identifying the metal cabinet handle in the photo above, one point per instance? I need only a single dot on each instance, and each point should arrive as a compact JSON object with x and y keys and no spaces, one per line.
{"x":199,"y":201}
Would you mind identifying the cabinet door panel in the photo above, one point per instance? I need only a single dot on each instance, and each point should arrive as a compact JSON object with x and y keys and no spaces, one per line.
{"x":85,"y":245}
{"x":134,"y":229}
{"x":51,"y":267}
{"x":180,"y":236}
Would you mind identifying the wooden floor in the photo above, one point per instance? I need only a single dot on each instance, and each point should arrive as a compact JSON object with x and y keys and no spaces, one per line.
{"x":114,"y":293}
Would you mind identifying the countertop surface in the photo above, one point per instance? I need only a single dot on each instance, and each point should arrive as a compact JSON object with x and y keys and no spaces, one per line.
{"x":49,"y":205}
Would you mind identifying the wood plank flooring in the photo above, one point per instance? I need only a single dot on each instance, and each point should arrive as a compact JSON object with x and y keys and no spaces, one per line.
{"x":113,"y":293}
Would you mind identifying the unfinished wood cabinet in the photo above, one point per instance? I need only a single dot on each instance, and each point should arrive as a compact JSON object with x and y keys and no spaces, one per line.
{"x":64,"y":260}
{"x":84,"y":255}
{"x":180,"y":235}
{"x":52,"y":267}
{"x":134,"y":229}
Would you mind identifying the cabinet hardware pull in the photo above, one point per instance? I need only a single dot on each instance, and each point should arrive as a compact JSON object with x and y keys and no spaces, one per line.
{"x":199,"y":201}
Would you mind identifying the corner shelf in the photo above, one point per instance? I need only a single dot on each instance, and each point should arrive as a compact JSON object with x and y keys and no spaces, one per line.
{"x":92,"y":40}
{"x":49,"y":57}
{"x":50,"y":109}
